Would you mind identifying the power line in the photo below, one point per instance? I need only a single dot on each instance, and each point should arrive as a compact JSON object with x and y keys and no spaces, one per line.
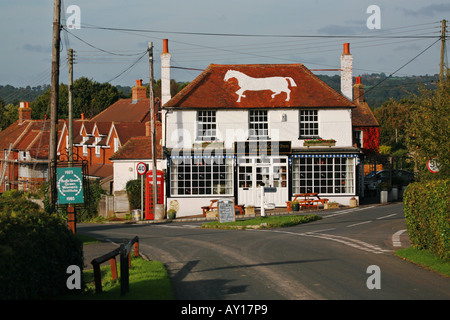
{"x":253,"y":35}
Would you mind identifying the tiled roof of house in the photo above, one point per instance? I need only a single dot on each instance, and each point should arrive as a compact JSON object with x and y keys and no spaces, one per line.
{"x":363,"y":117}
{"x":31,"y":135}
{"x":125,"y":110}
{"x":137,"y":148}
{"x":211,"y":89}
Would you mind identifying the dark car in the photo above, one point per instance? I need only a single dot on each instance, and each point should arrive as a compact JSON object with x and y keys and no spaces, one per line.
{"x":399,"y":178}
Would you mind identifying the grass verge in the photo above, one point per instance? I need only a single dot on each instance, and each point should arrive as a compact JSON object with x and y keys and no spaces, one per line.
{"x":426,"y":259}
{"x":263,"y":222}
{"x":148,"y":280}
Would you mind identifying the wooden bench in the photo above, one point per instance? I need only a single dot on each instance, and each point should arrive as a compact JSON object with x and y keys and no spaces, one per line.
{"x":213,"y":206}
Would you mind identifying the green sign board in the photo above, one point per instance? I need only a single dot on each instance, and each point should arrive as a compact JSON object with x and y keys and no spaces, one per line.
{"x":70,"y":185}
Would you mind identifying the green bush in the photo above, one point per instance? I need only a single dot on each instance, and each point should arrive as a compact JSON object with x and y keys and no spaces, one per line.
{"x":133,"y":188}
{"x":427,"y":216}
{"x":35,"y":250}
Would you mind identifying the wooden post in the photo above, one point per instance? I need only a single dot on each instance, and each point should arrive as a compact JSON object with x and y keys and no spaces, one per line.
{"x":97,"y":277}
{"x":70,"y":109}
{"x":441,"y":73}
{"x":54,"y":100}
{"x":153,"y":125}
{"x":71,"y":219}
{"x":113,"y":264}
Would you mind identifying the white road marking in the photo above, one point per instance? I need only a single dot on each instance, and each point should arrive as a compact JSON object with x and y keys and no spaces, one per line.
{"x":396,"y":238}
{"x":357,"y":224}
{"x":391,"y":215}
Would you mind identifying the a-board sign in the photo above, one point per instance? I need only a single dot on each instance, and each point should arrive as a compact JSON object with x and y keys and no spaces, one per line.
{"x":70,"y":185}
{"x":225,"y":208}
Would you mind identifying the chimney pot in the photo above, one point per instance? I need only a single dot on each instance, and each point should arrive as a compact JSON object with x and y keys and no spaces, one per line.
{"x":165,"y":46}
{"x":24,"y":112}
{"x":139,"y":91}
{"x":346,"y":48}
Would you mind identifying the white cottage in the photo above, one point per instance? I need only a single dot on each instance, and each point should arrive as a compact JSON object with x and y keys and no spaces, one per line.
{"x":237,"y":127}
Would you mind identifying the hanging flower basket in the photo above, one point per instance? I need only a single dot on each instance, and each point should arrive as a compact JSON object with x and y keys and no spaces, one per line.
{"x":319,"y":143}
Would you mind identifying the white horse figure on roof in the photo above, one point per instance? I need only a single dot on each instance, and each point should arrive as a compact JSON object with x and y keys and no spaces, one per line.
{"x":274,"y":84}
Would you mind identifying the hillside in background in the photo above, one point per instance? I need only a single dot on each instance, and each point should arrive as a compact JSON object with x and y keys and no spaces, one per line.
{"x":378,"y":88}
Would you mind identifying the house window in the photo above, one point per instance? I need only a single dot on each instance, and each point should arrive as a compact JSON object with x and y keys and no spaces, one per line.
{"x":324,"y":175}
{"x":357,"y":138}
{"x":201,"y":176}
{"x":206,"y":125}
{"x":258,"y":124}
{"x":97,"y":148}
{"x":309,"y":124}
{"x":116,"y":144}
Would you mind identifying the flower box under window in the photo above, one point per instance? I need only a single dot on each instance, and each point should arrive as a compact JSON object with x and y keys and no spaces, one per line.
{"x":319,"y":143}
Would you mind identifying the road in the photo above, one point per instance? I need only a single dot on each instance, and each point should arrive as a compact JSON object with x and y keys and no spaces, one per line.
{"x":329,"y":259}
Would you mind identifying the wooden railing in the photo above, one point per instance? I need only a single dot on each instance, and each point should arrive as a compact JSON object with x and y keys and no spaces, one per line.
{"x":124,"y":252}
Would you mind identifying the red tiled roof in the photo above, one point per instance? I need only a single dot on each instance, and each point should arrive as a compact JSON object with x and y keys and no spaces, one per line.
{"x":210,"y":90}
{"x":101,"y":170}
{"x":137,"y":148}
{"x":363,"y":117}
{"x":125,"y":110}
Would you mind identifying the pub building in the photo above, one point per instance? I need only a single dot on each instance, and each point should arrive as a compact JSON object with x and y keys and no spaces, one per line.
{"x":238,"y":127}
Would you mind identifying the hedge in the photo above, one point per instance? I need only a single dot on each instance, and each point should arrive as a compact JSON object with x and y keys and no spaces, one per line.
{"x":35,"y":250}
{"x":427,"y":214}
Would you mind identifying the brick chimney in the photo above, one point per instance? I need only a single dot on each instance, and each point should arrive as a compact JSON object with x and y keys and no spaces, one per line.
{"x":138,"y":91}
{"x":358,"y":91}
{"x":165,"y":73}
{"x":347,"y":72}
{"x":24,"y":112}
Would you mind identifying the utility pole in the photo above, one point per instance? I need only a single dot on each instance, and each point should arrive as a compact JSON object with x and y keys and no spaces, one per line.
{"x":441,"y":74}
{"x":54,"y":92}
{"x":153,"y":126}
{"x":70,"y":108}
{"x":71,"y":220}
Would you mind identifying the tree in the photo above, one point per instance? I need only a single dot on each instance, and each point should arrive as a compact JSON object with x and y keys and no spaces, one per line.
{"x":428,"y":133}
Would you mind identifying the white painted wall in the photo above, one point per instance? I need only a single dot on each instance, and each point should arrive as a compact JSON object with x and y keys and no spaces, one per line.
{"x":232,"y":126}
{"x":125,"y":170}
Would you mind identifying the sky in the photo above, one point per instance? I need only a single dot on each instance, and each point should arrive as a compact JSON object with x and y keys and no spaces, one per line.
{"x":200,"y":32}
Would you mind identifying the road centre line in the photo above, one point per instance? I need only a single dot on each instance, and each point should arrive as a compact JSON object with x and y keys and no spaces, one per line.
{"x":346,"y":211}
{"x":388,"y":216}
{"x":357,"y":224}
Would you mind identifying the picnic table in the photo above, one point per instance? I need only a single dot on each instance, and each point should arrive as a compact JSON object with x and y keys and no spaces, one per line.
{"x":308,"y":200}
{"x":213,"y":206}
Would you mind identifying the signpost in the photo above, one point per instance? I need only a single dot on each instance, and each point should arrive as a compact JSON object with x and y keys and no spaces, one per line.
{"x":433,"y":165}
{"x":70,"y":185}
{"x":141,"y":169}
{"x":225,"y":209}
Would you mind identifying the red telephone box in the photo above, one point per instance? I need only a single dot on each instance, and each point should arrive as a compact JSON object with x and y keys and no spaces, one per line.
{"x":149,"y":210}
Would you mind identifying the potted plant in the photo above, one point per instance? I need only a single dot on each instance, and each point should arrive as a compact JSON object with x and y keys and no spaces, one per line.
{"x":384,"y":188}
{"x":295,"y":206}
{"x":171,"y":214}
{"x":250,"y":210}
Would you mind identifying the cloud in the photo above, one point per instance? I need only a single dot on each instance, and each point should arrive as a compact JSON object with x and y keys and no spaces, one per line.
{"x":36,"y":48}
{"x":333,"y":29}
{"x":428,"y":11}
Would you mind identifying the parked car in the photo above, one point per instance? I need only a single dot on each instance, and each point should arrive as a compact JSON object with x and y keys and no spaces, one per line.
{"x":399,"y":178}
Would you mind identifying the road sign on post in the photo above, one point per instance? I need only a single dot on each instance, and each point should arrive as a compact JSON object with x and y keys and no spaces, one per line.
{"x":70,"y":185}
{"x":141,"y":168}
